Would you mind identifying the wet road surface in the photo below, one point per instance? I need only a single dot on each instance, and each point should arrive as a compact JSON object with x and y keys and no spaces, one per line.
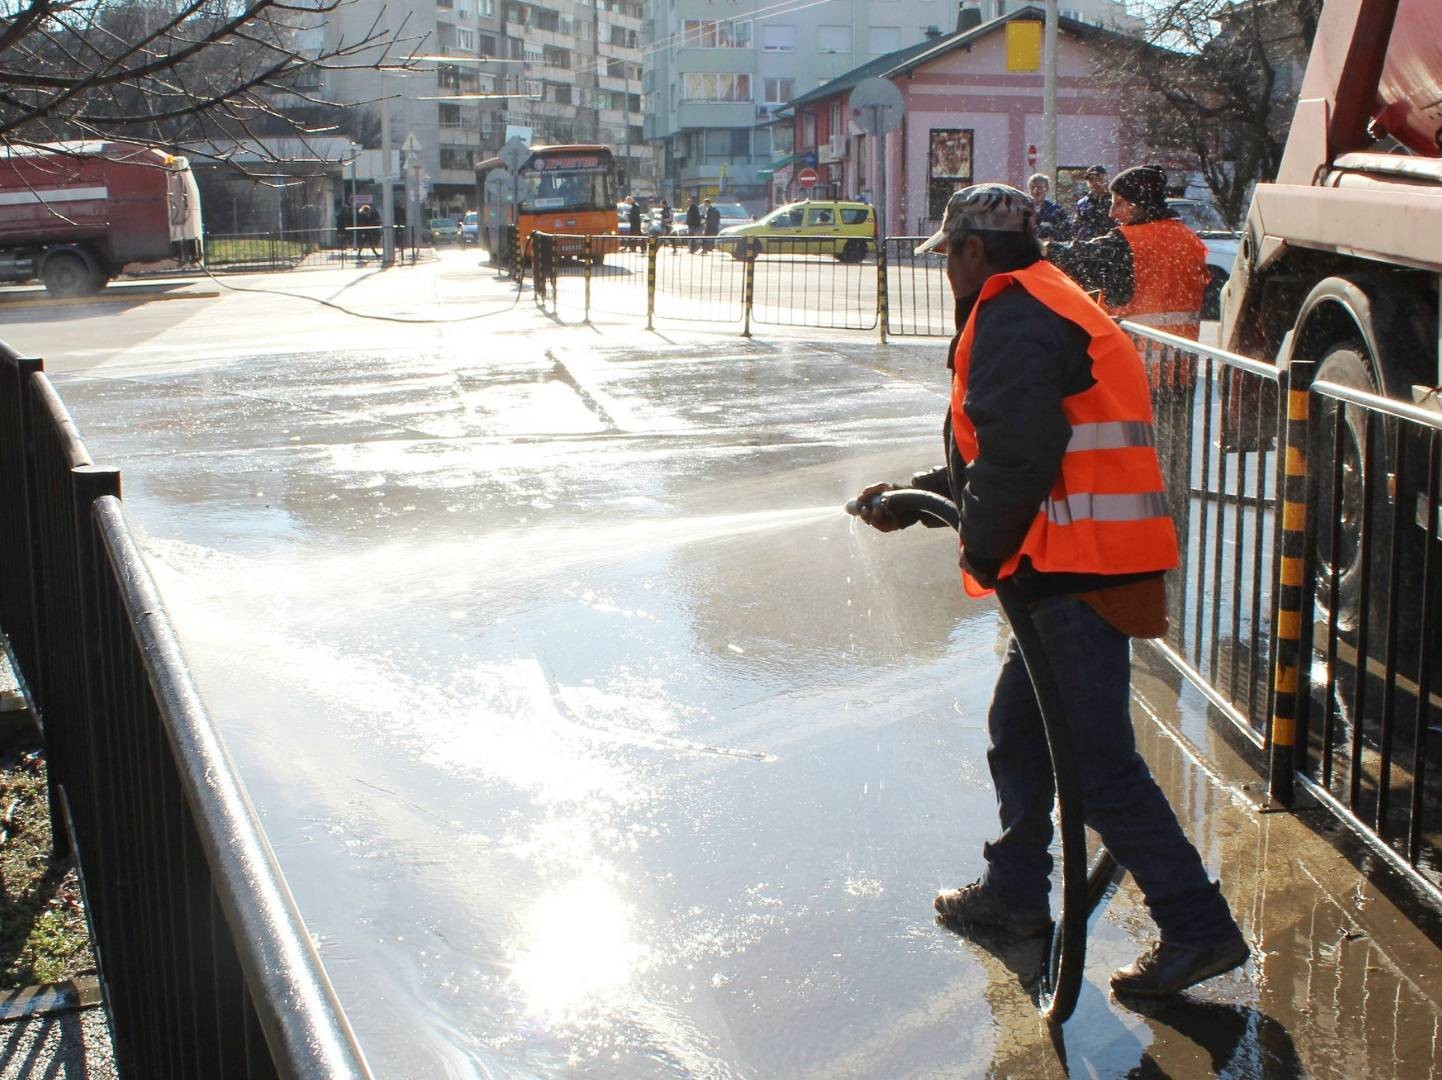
{"x":594,"y":739}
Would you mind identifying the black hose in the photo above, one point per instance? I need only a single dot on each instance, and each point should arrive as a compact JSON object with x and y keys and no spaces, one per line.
{"x":1082,"y":890}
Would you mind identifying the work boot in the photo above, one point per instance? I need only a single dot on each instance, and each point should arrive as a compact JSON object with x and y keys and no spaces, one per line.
{"x":973,"y":906}
{"x":1167,"y":969}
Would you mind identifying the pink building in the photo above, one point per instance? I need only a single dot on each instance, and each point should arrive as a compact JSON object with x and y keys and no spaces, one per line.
{"x":973,"y":113}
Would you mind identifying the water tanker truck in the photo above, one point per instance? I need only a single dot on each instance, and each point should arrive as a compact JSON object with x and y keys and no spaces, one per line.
{"x":75,"y":214}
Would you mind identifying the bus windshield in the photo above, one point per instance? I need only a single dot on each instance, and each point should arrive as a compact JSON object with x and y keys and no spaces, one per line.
{"x":567,"y":189}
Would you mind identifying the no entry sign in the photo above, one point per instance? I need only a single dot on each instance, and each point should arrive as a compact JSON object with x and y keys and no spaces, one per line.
{"x":806,"y":177}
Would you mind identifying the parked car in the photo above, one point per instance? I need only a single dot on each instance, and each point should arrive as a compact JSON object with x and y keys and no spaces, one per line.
{"x":444,"y":230}
{"x":733,"y":214}
{"x":846,"y":230}
{"x":469,"y":230}
{"x":1222,"y":243}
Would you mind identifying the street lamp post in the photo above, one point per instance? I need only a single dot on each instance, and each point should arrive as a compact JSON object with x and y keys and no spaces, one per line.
{"x":388,"y":194}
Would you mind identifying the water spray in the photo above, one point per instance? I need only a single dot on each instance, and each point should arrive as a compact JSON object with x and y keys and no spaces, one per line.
{"x":1082,"y":889}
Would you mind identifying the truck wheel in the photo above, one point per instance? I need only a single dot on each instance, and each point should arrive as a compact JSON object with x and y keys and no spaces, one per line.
{"x":1350,"y":364}
{"x":66,"y":273}
{"x":853,"y":251}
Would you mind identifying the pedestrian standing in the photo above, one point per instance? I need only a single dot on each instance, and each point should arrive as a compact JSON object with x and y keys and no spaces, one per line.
{"x":1050,"y":460}
{"x":1151,"y":268}
{"x":633,"y":220}
{"x":668,"y":218}
{"x":693,"y":224}
{"x":1094,"y":209}
{"x":711,"y":226}
{"x":1051,"y":219}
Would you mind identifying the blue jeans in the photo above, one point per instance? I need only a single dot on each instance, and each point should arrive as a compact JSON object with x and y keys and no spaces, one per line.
{"x":1092,"y":665}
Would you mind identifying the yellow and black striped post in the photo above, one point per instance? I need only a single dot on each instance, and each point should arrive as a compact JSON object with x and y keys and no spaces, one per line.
{"x":587,"y":256}
{"x":517,"y":273}
{"x":653,"y":245}
{"x":748,"y":283}
{"x":1287,"y":684}
{"x":883,"y":301}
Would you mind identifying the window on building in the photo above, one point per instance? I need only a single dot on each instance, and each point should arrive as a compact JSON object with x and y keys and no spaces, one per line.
{"x":446,"y":4}
{"x":616,"y":69}
{"x":488,"y":45}
{"x":778,"y":38}
{"x":884,"y":39}
{"x":740,"y":142}
{"x":548,"y":20}
{"x":561,"y":95}
{"x":808,"y":128}
{"x":554,"y":57}
{"x":466,"y":40}
{"x":449,"y":115}
{"x":834,"y":117}
{"x":455,"y":157}
{"x":715,"y":34}
{"x":833,"y":39}
{"x":717,"y":86}
{"x":778,"y":91}
{"x":486,"y":7}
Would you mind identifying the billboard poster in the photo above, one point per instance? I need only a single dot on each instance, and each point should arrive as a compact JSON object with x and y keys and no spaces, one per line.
{"x":948,"y":167}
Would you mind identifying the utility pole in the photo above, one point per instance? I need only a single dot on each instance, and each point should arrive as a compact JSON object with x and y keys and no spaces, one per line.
{"x":388,"y":193}
{"x":1048,"y":137}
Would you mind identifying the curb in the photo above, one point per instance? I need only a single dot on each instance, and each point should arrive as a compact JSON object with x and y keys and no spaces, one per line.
{"x":82,"y":992}
{"x":117,"y":296}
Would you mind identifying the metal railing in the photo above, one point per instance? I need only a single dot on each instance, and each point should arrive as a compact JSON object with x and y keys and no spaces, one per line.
{"x":835,"y":283}
{"x":205,"y":966}
{"x":1308,"y":592}
{"x":287,"y":249}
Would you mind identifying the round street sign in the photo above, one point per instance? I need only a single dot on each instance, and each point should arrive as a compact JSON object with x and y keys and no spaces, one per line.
{"x":807,"y":177}
{"x":876,"y":106}
{"x":1031,"y":155}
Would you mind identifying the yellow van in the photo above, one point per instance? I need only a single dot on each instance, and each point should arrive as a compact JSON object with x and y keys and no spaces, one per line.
{"x":846,"y":230}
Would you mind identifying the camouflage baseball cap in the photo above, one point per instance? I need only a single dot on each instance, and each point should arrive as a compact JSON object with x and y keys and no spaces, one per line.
{"x":988,"y":207}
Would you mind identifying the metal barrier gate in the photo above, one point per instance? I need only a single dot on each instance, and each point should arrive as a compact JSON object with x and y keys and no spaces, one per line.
{"x":1306,"y":601}
{"x":205,"y":966}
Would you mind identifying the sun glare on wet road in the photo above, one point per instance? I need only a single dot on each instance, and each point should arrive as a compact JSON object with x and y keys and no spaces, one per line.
{"x":577,"y":948}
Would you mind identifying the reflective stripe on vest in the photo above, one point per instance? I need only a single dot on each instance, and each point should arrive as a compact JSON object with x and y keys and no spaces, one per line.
{"x":1083,"y":507}
{"x":1107,"y":512}
{"x":1111,"y":435}
{"x":1169,"y":275}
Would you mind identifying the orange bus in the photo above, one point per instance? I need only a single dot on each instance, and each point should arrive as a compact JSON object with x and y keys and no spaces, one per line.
{"x":564,"y":189}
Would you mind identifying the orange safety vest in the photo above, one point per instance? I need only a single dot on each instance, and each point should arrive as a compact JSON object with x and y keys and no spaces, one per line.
{"x":1107,"y":511}
{"x":1169,"y":268}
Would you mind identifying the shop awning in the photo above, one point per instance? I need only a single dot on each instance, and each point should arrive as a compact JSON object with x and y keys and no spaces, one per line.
{"x":779,"y":163}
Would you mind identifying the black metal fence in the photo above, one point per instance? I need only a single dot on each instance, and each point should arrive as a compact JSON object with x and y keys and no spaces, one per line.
{"x":287,"y":249}
{"x":1308,"y":595}
{"x":205,"y":966}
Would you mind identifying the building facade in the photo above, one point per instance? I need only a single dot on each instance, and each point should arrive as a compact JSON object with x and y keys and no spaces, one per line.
{"x":973,"y":113}
{"x":718,"y":73}
{"x":565,"y":70}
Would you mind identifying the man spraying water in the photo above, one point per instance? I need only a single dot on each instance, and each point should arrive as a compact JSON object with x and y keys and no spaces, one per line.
{"x":1051,"y":462}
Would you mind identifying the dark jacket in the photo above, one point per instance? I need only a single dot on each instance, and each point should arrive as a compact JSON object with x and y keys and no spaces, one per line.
{"x":1093,"y":217}
{"x":693,"y":217}
{"x":1052,"y":222}
{"x":1103,"y":262}
{"x":713,"y":221}
{"x":1025,"y":359}
{"x":633,"y":218}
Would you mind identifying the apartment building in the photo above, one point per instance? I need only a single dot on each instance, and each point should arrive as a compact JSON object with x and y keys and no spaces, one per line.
{"x":718,"y":71}
{"x":569,"y":71}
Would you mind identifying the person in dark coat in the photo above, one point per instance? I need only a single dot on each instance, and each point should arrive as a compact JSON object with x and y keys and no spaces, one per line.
{"x":1050,"y":417}
{"x":1051,"y":220}
{"x":668,"y":218}
{"x":712,"y":227}
{"x":693,"y":224}
{"x":633,"y":220}
{"x":1094,"y":209}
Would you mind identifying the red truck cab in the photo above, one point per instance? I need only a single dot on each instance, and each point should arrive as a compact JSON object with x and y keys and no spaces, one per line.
{"x":75,"y":214}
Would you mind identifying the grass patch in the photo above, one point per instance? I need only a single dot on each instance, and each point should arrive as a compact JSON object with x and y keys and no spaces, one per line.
{"x":239,"y":249}
{"x":43,"y":934}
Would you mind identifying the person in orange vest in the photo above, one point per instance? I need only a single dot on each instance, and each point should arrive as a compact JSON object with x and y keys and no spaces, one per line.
{"x":1051,"y":462}
{"x":1150,"y":269}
